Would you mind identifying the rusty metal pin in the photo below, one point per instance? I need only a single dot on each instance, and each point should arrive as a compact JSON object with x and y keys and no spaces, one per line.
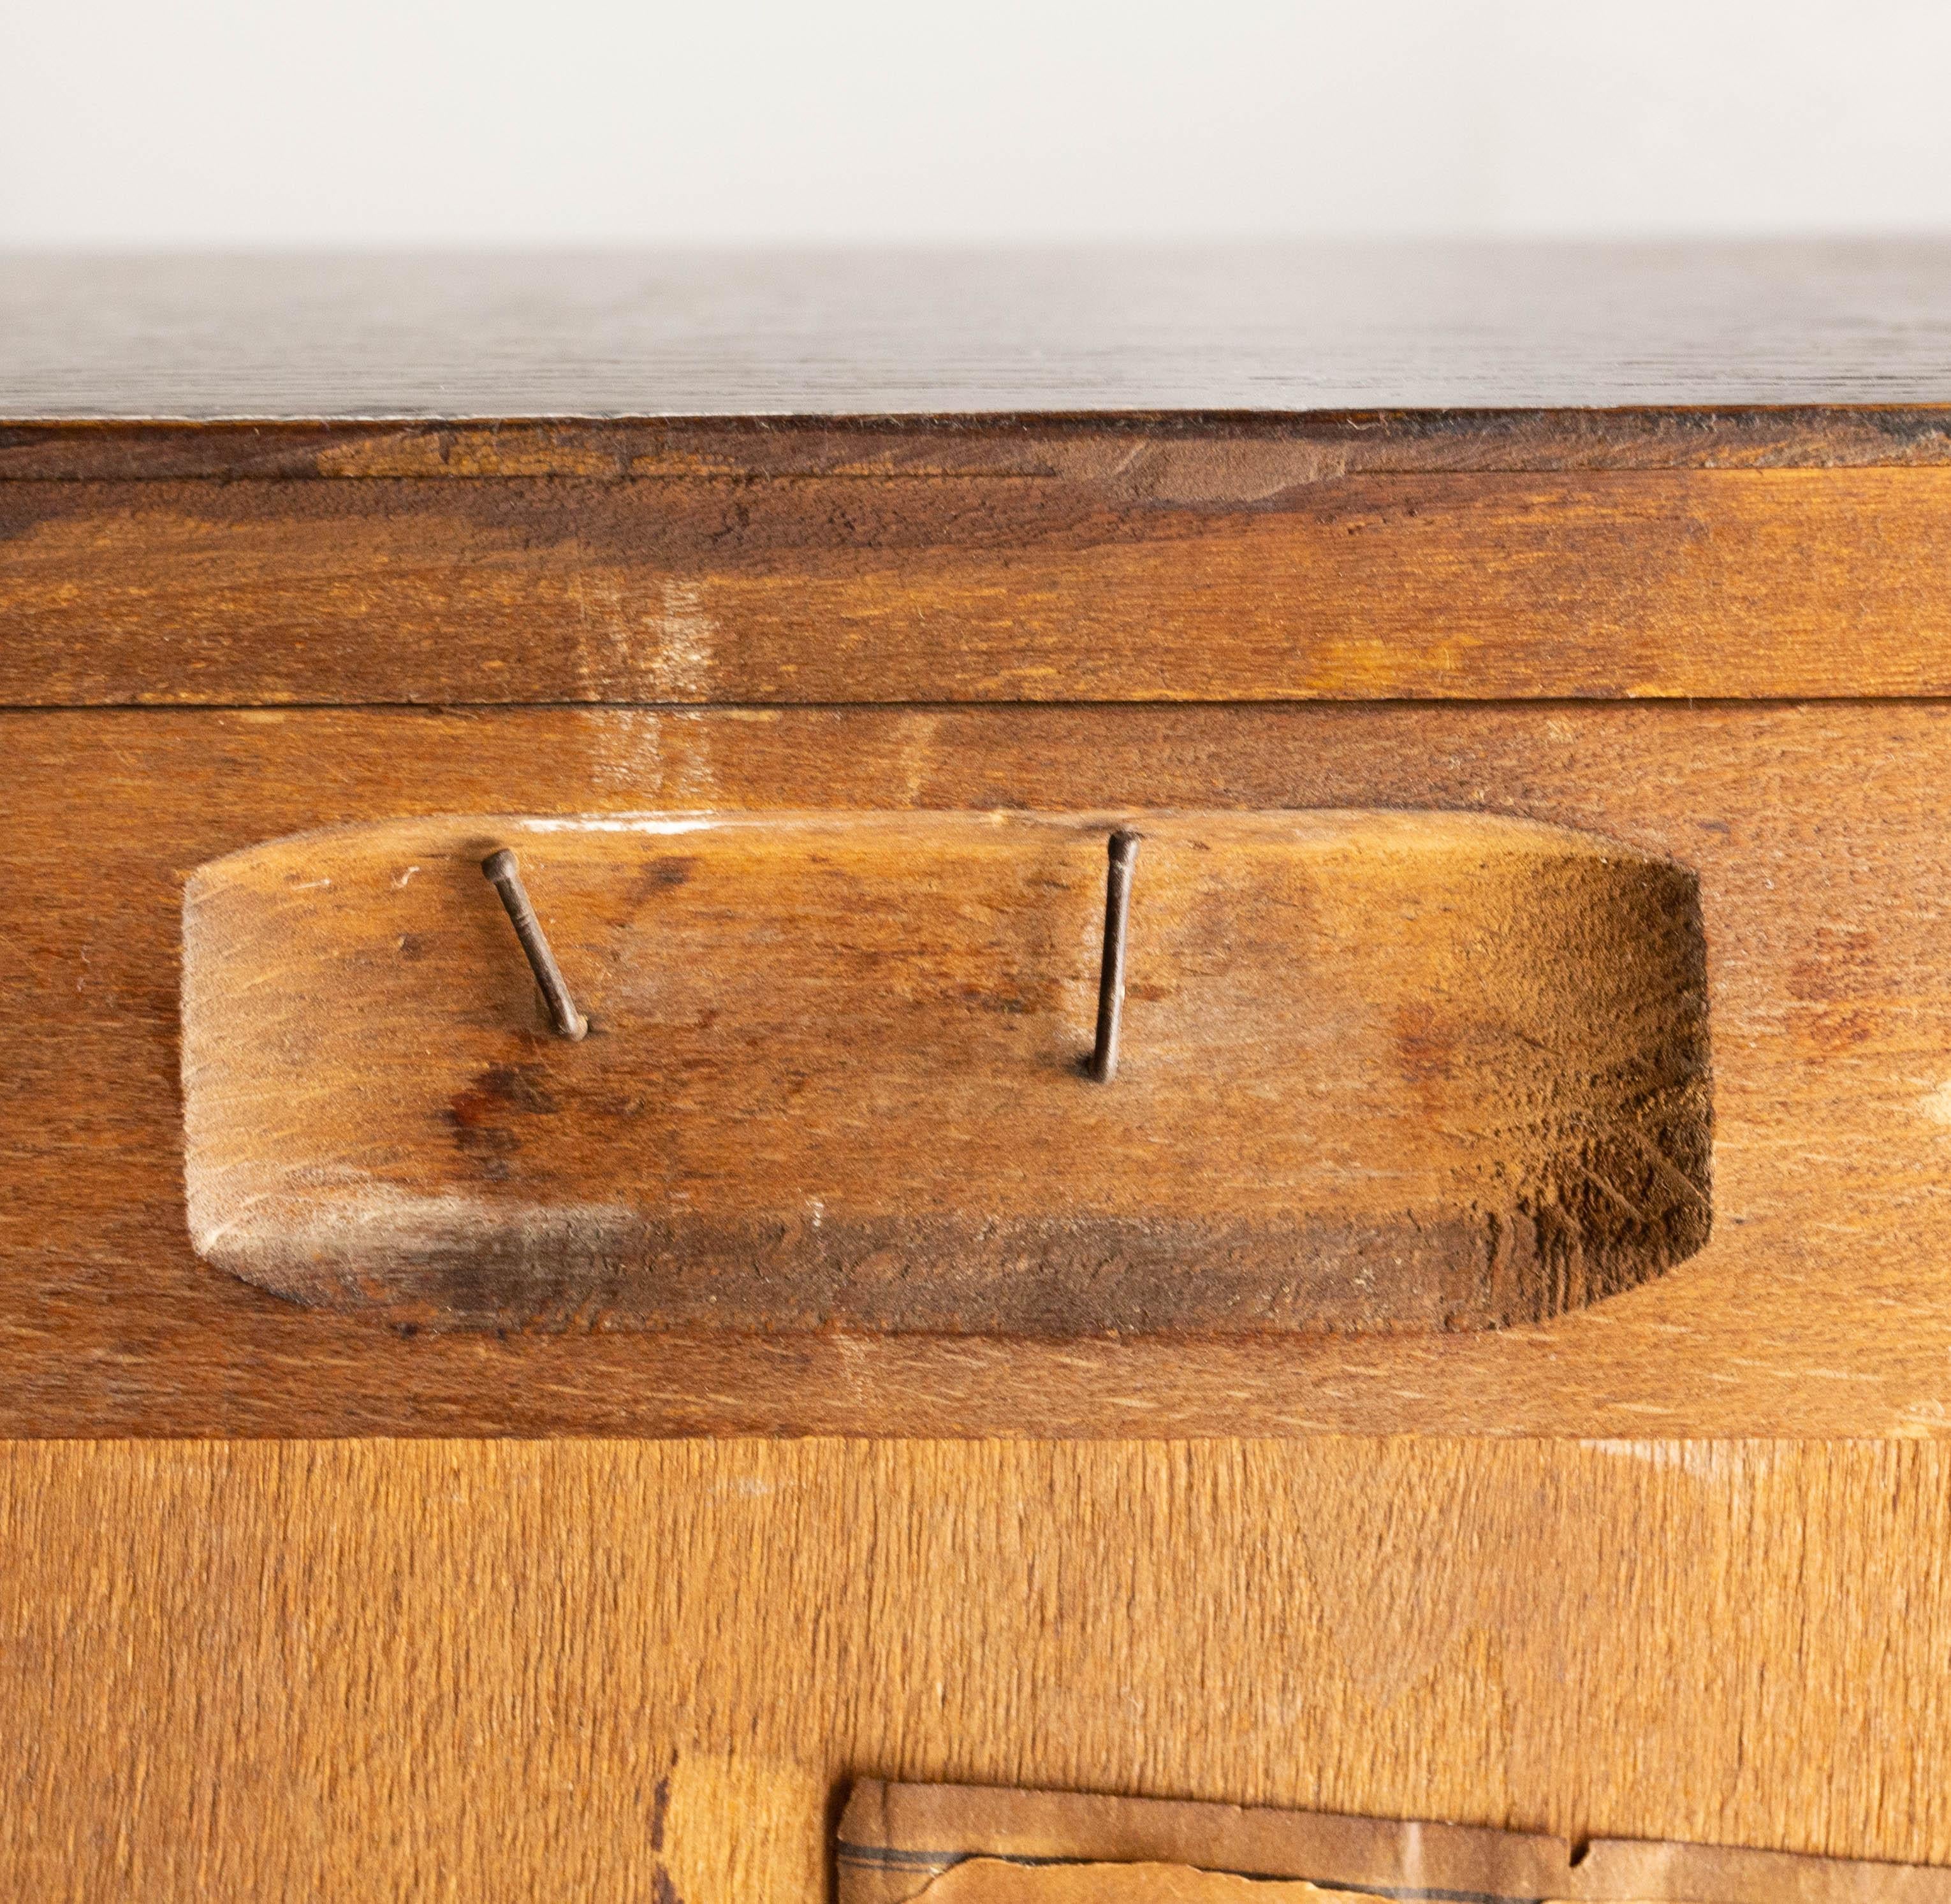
{"x":500,"y":867}
{"x":1123,"y":850}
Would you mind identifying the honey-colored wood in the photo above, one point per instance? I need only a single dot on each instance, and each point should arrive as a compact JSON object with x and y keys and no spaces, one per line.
{"x":1380,"y":1070}
{"x":1202,"y":573}
{"x":1822,"y":1305}
{"x":506,"y":1671}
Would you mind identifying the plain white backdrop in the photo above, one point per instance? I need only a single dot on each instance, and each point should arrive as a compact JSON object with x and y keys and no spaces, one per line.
{"x":127,"y":123}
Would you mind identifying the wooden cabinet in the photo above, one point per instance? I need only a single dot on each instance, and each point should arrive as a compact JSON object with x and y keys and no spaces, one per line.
{"x":405,"y":1594}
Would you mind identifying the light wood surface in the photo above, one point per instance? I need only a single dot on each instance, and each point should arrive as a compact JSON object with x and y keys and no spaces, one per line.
{"x":1381,"y":1071}
{"x":1222,"y":572}
{"x":506,"y":1671}
{"x":1822,"y":1305}
{"x":1268,"y":327}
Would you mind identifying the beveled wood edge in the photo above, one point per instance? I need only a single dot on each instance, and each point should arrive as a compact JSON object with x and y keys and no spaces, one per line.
{"x":1082,"y":446}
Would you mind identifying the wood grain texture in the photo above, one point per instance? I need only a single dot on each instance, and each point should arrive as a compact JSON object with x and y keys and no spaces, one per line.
{"x":1155,"y":453}
{"x":1742,"y":583}
{"x":1821,"y":1305}
{"x":644,"y":1671}
{"x":1381,"y":1071}
{"x":1334,"y":327}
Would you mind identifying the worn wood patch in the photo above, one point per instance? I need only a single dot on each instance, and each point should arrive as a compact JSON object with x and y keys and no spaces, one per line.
{"x":1380,"y":1070}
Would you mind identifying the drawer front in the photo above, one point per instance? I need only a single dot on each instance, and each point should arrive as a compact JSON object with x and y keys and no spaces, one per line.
{"x":1168,"y":1073}
{"x":1821,"y":1304}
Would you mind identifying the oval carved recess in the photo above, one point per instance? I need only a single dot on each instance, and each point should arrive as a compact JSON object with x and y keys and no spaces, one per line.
{"x":1378,"y":1070}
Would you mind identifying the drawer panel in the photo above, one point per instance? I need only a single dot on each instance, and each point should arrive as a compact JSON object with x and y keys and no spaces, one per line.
{"x":1822,"y":1303}
{"x":1168,"y":1072}
{"x":354,"y":1670}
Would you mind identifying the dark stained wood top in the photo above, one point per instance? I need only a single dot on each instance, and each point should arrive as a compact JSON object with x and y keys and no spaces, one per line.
{"x":1269,"y":330}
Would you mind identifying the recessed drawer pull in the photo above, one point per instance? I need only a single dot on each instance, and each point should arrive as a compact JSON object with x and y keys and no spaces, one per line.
{"x":1375,"y":1070}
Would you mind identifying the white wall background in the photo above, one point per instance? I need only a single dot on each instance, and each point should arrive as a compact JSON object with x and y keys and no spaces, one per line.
{"x":251,"y":122}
